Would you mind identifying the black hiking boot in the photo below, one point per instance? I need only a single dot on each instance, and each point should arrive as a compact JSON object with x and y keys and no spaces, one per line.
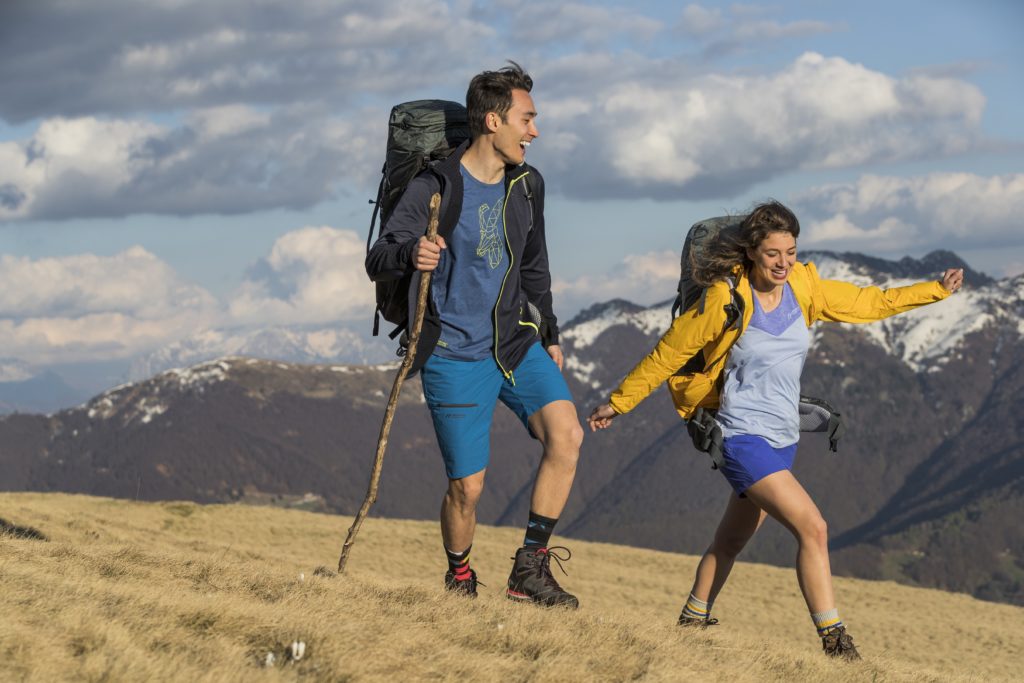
{"x":839,"y":643}
{"x":697,"y":622}
{"x":531,"y":579}
{"x":466,"y":587}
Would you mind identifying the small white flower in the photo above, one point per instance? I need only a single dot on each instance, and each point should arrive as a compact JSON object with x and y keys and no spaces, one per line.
{"x":297,"y":650}
{"x":270,"y":659}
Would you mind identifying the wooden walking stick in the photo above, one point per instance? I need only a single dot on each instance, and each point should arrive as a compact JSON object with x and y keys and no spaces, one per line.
{"x":389,"y":414}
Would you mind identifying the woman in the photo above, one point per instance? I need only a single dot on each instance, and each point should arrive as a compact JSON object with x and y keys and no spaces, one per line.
{"x":752,"y":379}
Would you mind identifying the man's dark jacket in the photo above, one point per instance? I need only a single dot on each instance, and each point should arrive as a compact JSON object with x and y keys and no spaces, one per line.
{"x":526,"y":280}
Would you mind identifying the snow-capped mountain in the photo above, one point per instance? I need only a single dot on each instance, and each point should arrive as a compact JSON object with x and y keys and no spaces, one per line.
{"x":287,"y":344}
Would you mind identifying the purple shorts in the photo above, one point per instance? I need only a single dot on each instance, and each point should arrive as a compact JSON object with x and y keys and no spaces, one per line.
{"x":749,"y":459}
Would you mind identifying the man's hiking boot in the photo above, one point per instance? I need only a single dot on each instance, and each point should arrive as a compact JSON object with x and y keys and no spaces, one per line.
{"x":839,"y":643}
{"x":465,"y":587}
{"x":697,"y":622}
{"x":531,"y":579}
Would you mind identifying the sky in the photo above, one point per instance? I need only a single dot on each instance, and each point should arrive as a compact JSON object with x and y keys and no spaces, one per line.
{"x":178,"y":174}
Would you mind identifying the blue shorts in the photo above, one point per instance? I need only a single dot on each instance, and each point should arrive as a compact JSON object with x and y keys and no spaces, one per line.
{"x":462,"y":395}
{"x":749,"y":459}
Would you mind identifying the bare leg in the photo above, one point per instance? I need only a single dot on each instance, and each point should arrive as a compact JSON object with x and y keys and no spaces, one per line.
{"x":558,"y":428}
{"x":742,"y":518}
{"x":782,"y":497}
{"x":458,"y":511}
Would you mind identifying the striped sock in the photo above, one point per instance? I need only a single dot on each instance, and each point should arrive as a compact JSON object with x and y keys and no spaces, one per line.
{"x":826,"y":621}
{"x":458,"y":563}
{"x":696,"y":608}
{"x":539,"y":530}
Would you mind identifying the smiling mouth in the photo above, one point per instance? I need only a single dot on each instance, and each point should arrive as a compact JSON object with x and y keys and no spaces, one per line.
{"x":524,"y":143}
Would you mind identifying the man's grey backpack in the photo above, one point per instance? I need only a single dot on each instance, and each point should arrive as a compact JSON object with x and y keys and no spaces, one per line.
{"x":816,"y":415}
{"x":420,"y":135}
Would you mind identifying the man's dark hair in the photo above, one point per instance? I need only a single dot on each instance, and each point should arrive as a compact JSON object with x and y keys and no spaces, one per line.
{"x":492,"y":91}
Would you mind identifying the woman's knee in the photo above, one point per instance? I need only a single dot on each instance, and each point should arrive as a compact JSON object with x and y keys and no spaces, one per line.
{"x":814,"y":530}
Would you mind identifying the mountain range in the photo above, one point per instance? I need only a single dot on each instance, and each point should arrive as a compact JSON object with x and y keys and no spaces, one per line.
{"x":927,"y":487}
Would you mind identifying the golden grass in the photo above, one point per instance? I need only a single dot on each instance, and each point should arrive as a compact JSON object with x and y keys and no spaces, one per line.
{"x":127,"y":591}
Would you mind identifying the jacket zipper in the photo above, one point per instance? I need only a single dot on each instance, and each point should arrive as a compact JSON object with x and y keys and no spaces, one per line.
{"x":511,"y":262}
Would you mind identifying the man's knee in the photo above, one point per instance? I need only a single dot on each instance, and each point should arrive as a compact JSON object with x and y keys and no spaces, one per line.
{"x":559,"y":428}
{"x":465,"y":493}
{"x":569,"y":435}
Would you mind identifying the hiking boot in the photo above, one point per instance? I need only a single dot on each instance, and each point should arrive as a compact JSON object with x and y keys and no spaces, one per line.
{"x":839,"y":643}
{"x":466,"y":587}
{"x":697,"y":622}
{"x":531,"y":579}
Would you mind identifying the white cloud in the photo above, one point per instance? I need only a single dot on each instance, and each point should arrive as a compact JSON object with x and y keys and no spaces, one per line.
{"x":885,"y":213}
{"x":286,"y":107}
{"x":113,"y":57}
{"x":640,"y":278}
{"x":230,"y":159}
{"x":313,"y":275}
{"x":89,"y":307}
{"x":654,"y":134}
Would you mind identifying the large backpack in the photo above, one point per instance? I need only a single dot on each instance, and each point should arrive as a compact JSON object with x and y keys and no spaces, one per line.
{"x":420,"y":135}
{"x":816,"y":415}
{"x":688,"y":293}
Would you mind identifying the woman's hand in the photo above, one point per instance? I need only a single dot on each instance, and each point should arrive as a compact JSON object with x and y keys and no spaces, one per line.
{"x":953,"y":279}
{"x":601,"y":417}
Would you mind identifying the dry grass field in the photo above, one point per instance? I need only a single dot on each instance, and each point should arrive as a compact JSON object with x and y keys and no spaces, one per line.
{"x":127,"y":591}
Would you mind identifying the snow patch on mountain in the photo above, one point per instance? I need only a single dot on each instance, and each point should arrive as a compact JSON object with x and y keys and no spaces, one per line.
{"x":141,"y":401}
{"x":287,"y":344}
{"x":923,"y":337}
{"x":655,"y":319}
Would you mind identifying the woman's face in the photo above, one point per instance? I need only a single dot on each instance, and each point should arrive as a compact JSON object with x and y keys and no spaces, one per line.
{"x":773,"y":259}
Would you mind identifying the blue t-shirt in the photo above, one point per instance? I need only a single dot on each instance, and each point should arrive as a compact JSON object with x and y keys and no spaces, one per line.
{"x":469,"y":275}
{"x":761,"y":393}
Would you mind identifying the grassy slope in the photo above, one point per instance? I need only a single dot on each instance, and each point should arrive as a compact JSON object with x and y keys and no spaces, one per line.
{"x":178,"y":591}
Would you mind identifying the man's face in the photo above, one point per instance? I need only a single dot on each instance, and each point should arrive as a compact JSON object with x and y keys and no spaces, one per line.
{"x":513,"y":135}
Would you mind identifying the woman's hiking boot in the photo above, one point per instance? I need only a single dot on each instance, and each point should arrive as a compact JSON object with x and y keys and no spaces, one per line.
{"x":698,"y":622}
{"x":531,"y":579}
{"x":839,"y":643}
{"x":466,"y":587}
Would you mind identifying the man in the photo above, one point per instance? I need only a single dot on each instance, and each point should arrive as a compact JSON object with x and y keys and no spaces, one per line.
{"x":482,"y":339}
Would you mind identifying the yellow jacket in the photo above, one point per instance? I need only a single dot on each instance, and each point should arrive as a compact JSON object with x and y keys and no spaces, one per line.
{"x":703,"y":330}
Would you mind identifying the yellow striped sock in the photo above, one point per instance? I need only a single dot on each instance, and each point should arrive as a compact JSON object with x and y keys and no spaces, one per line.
{"x":696,"y":608}
{"x":826,"y":621}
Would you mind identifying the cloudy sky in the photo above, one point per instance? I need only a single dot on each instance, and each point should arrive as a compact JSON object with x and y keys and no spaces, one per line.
{"x":180,"y":168}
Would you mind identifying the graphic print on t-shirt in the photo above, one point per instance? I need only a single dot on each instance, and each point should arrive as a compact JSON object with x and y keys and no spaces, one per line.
{"x":490,"y":244}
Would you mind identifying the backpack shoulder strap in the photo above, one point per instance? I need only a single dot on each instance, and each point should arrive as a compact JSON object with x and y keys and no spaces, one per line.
{"x":528,"y":190}
{"x":373,"y":217}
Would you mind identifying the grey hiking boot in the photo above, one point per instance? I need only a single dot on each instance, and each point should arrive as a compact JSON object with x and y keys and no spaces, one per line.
{"x":531,"y":579}
{"x":466,"y":587}
{"x":697,"y":622}
{"x":839,"y":643}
